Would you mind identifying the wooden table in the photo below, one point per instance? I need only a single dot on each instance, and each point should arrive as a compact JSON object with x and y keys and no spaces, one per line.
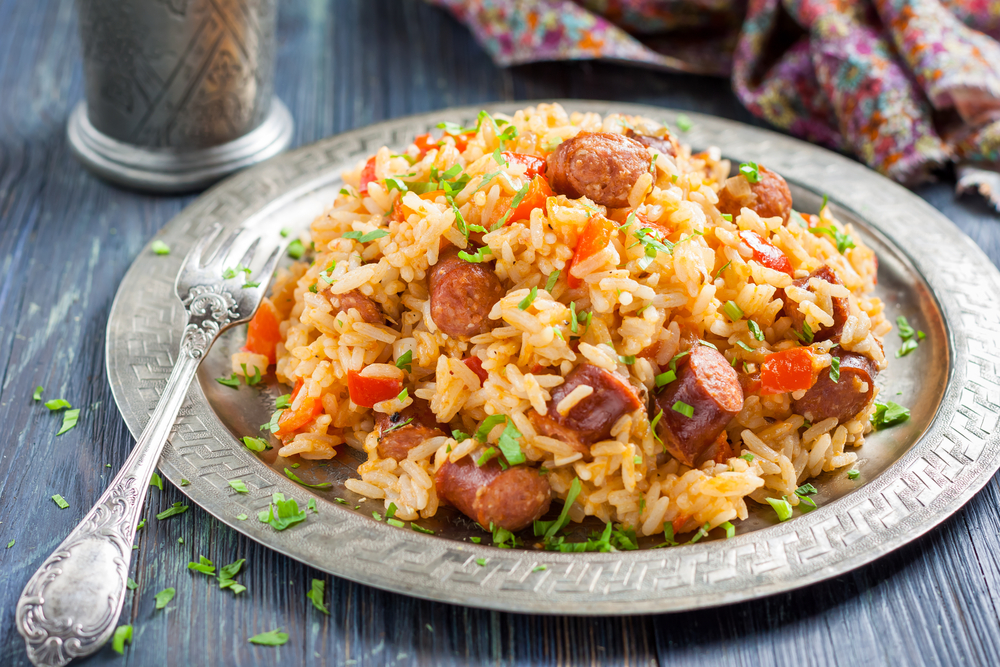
{"x":66,"y":240}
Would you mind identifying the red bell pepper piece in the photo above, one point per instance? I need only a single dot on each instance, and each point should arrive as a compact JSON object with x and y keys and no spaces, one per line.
{"x":263,"y":334}
{"x":425,"y":142}
{"x":595,"y":237}
{"x":764,"y":252}
{"x":476,"y":365}
{"x":788,"y":370}
{"x":292,"y":420}
{"x":534,"y":166}
{"x":367,"y":175}
{"x":367,"y":391}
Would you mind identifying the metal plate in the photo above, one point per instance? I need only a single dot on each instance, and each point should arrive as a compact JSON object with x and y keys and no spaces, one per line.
{"x":913,"y":476}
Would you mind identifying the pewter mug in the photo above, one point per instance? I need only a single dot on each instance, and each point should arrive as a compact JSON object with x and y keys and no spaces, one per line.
{"x":178,"y":92}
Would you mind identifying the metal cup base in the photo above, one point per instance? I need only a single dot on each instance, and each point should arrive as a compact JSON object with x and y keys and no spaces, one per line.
{"x":171,"y":170}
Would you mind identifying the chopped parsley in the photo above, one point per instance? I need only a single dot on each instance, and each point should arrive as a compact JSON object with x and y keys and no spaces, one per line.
{"x":733,"y":311}
{"x":684,"y":123}
{"x":574,"y":325}
{"x":203,"y":565}
{"x":723,"y":268}
{"x":907,"y":347}
{"x":540,"y":568}
{"x":781,"y":507}
{"x":476,"y":258}
{"x":60,"y":501}
{"x":551,"y":282}
{"x":513,"y":205}
{"x":548,"y":529}
{"x":747,"y":456}
{"x":755,"y":330}
{"x":729,"y":528}
{"x":503,"y":538}
{"x":156,"y":481}
{"x":311,"y":504}
{"x":481,"y":562}
{"x":652,"y":427}
{"x":889,"y":414}
{"x":483,"y":432}
{"x":803,"y":492}
{"x":728,"y":217}
{"x":683,"y":408}
{"x":459,"y":436}
{"x":173,"y":510}
{"x":750,"y":172}
{"x":233,"y":272}
{"x":57,"y":404}
{"x":281,"y":513}
{"x":365,"y":238}
{"x":509,"y":445}
{"x":843,"y":240}
{"x":38,"y":393}
{"x":241,"y":517}
{"x":70,"y":418}
{"x":296,"y":249}
{"x":256,"y":444}
{"x":239,"y":485}
{"x":421,"y":529}
{"x":665,"y":378}
{"x":853,"y":474}
{"x":164,"y":597}
{"x":405,"y":361}
{"x":283,"y":401}
{"x":130,"y":583}
{"x":227,"y":574}
{"x":395,"y":522}
{"x":668,"y":536}
{"x":701,"y":532}
{"x":251,"y":379}
{"x":528,"y":300}
{"x":295,"y":478}
{"x":270,"y":638}
{"x":476,"y":539}
{"x":835,"y":369}
{"x":806,"y":337}
{"x":317,"y":594}
{"x":403,"y":395}
{"x":159,"y":247}
{"x":489,"y":454}
{"x":232,"y":381}
{"x":123,"y":635}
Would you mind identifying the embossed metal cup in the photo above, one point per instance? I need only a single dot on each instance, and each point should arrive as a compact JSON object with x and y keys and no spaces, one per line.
{"x":179,"y":92}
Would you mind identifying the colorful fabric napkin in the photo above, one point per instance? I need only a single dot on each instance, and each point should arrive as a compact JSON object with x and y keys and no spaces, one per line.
{"x":906,"y":85}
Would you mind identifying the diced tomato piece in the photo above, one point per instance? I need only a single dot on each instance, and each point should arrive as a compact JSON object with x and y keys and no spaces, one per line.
{"x":367,"y":175}
{"x":642,"y":222}
{"x":462,"y":140}
{"x":292,"y":420}
{"x":425,"y":142}
{"x":499,"y":210}
{"x":764,"y":252}
{"x":724,"y":450}
{"x":595,"y":237}
{"x":679,"y":522}
{"x":476,"y":365}
{"x":432,"y":195}
{"x":367,"y":391}
{"x":534,"y":166}
{"x":263,"y":334}
{"x":788,"y":370}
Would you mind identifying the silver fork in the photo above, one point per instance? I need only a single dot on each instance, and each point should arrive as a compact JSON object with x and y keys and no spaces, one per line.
{"x":71,"y":604}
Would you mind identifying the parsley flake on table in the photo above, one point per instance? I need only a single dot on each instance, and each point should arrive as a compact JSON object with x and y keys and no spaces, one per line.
{"x":159,"y":247}
{"x":131,"y":584}
{"x":38,"y":393}
{"x":173,"y":510}
{"x":123,"y":635}
{"x":156,"y":481}
{"x":317,"y":594}
{"x":70,"y":417}
{"x":281,"y":513}
{"x":57,"y":404}
{"x":164,"y":597}
{"x":60,"y":501}
{"x":203,"y":565}
{"x":227,"y":574}
{"x":11,"y":543}
{"x":239,"y":486}
{"x":270,"y":638}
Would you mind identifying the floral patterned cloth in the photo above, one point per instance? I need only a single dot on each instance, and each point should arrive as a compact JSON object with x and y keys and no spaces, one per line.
{"x":906,"y":85}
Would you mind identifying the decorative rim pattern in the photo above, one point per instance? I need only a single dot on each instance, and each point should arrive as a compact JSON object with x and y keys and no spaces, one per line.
{"x":952,"y":460}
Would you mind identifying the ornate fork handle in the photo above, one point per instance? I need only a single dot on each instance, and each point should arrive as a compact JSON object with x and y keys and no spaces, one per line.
{"x":71,"y":604}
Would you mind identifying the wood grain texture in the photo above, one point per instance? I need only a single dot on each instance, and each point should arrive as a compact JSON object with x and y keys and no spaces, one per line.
{"x":66,"y":240}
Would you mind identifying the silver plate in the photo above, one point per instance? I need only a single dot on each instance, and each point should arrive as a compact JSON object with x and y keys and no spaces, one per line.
{"x":913,"y":476}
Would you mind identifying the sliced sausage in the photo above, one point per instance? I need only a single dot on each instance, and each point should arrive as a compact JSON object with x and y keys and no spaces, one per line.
{"x":706,"y":382}
{"x":511,"y":498}
{"x":591,"y":419}
{"x":841,"y":307}
{"x":402,"y":431}
{"x":845,"y":398}
{"x":601,"y":166}
{"x":665,"y":144}
{"x":368,"y":309}
{"x":462,"y":295}
{"x":768,"y":197}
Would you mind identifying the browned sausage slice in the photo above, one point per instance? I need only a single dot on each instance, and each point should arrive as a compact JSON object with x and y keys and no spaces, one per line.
{"x":769,"y":197}
{"x":845,"y":398}
{"x":841,"y":307}
{"x":368,"y":309}
{"x":591,"y":419}
{"x":402,"y":431}
{"x":462,"y":295}
{"x":511,"y":498}
{"x":665,"y":144}
{"x":706,"y":382}
{"x":601,"y":166}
